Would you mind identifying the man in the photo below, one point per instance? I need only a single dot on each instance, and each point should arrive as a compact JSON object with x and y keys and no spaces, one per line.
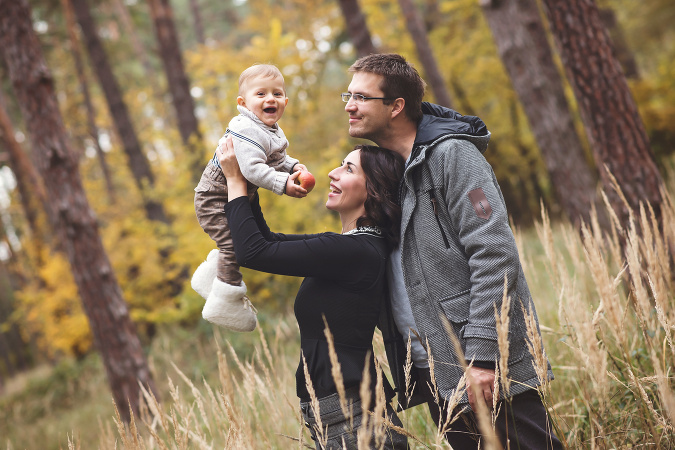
{"x":456,"y":251}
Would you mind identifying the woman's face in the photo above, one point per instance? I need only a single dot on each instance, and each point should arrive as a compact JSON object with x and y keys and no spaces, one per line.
{"x":348,"y":187}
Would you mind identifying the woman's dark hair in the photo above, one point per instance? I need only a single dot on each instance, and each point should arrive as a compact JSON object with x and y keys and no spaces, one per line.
{"x":383,"y":170}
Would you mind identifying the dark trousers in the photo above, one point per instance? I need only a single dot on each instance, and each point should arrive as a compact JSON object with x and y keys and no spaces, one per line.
{"x":523,"y":422}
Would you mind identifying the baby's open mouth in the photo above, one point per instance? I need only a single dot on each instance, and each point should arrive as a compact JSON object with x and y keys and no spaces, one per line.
{"x":270,"y":110}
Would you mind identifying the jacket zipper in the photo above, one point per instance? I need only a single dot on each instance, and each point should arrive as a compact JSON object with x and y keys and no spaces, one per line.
{"x":438,"y":219}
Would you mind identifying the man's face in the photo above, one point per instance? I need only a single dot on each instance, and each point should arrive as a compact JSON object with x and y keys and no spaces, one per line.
{"x":370,"y":119}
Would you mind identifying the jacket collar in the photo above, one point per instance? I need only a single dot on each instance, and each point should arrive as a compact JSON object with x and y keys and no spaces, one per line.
{"x":441,"y":122}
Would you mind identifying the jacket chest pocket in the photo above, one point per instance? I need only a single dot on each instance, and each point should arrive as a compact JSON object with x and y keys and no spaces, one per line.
{"x":436,"y":205}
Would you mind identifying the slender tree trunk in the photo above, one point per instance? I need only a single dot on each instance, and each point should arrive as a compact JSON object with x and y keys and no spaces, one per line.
{"x":197,"y":21}
{"x":139,"y":49}
{"x":31,"y":189}
{"x":179,"y":86}
{"x":417,"y":31}
{"x":89,"y":106}
{"x":138,"y":163}
{"x":520,"y":36}
{"x":357,"y":28}
{"x":611,"y":119}
{"x":432,"y":14}
{"x":114,"y":333}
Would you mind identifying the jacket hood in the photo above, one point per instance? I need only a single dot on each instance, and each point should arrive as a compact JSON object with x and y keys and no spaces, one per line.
{"x":439,"y":121}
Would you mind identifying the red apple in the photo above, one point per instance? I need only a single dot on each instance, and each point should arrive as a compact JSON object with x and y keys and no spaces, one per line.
{"x":306,"y":180}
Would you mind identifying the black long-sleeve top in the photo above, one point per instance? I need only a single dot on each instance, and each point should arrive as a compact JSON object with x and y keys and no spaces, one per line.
{"x":344,"y":282}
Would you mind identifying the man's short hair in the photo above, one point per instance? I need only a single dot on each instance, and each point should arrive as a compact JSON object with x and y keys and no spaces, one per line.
{"x":259,"y":71}
{"x":399,"y":79}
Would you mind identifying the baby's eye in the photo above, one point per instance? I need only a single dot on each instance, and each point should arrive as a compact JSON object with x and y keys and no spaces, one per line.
{"x":278,"y":94}
{"x":261,"y":93}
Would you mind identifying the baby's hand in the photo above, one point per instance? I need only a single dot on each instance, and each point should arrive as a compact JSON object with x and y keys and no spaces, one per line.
{"x":295,"y":190}
{"x":298,"y":167}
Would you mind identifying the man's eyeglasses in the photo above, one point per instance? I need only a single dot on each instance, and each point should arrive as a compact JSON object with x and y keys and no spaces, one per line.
{"x":358,"y":98}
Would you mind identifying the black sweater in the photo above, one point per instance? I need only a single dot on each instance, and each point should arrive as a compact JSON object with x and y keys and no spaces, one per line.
{"x":345,"y":283}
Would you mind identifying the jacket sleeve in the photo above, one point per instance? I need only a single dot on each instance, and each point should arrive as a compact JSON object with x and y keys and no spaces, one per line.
{"x":479,"y":219}
{"x":251,"y":148}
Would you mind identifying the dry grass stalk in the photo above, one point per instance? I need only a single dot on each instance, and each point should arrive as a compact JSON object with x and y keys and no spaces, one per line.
{"x":365,"y":430}
{"x":545,"y":234}
{"x":502,"y":320}
{"x":610,"y":303}
{"x":336,"y":371}
{"x":489,"y":437}
{"x":380,"y":410}
{"x":409,"y":389}
{"x":536,"y":346}
{"x":314,"y":404}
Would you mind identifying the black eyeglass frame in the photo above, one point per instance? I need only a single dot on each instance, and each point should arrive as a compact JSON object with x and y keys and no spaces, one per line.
{"x":360,"y":98}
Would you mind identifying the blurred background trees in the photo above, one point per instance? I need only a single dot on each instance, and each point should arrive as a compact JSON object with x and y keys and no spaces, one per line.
{"x":145,"y":89}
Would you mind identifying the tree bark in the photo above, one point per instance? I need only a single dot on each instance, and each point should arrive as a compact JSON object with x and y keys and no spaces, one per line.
{"x":179,"y":86}
{"x":418,"y":32}
{"x":139,"y":49}
{"x":137,"y":161}
{"x":197,"y":21}
{"x":357,"y":28}
{"x":522,"y":43}
{"x":32,"y":194}
{"x":89,"y":106}
{"x":611,"y":119}
{"x":114,"y":333}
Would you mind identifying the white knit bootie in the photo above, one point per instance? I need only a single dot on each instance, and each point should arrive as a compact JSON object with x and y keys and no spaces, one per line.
{"x":229,"y":307}
{"x":202,"y":280}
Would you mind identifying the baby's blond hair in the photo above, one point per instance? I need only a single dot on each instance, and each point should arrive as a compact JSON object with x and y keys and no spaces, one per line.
{"x":259,"y":70}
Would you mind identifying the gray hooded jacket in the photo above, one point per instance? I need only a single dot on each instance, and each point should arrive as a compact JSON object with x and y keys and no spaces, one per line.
{"x":456,"y":249}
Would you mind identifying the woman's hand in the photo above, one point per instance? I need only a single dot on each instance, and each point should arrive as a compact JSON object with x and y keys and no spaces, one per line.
{"x":236,"y":183}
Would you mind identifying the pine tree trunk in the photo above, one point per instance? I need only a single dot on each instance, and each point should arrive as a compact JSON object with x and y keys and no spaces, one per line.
{"x":114,"y":333}
{"x":89,"y":106}
{"x":137,"y":161}
{"x":417,"y":31}
{"x":357,"y":28}
{"x":611,"y":119}
{"x":179,"y":86}
{"x":520,"y":36}
{"x":31,"y":189}
{"x":197,"y":21}
{"x":139,"y":49}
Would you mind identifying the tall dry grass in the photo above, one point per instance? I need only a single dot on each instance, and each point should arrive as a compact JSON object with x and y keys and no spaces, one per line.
{"x":608,"y":320}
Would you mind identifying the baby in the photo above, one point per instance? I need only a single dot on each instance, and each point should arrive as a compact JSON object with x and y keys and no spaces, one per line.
{"x":260,"y":147}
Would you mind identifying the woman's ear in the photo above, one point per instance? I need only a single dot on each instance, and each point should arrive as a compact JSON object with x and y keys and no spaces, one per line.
{"x":397,"y":107}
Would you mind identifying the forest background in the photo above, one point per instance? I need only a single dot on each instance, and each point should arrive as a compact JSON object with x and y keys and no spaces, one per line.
{"x":146,"y":219}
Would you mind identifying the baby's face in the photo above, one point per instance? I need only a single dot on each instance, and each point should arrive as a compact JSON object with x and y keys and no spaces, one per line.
{"x":265,"y":97}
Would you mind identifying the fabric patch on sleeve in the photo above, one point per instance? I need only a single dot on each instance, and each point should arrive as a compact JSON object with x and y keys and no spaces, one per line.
{"x":480,"y":203}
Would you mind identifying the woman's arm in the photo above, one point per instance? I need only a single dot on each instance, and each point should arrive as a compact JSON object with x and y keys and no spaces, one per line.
{"x":329,"y":255}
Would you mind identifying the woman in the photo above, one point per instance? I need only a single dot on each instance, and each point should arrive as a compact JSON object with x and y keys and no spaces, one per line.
{"x":344,"y":279}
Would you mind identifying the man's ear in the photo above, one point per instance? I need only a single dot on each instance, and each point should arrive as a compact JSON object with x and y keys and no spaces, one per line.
{"x":397,"y":107}
{"x":240,"y":101}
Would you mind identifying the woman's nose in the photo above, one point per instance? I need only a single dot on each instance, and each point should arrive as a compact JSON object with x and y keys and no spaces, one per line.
{"x":331,"y":174}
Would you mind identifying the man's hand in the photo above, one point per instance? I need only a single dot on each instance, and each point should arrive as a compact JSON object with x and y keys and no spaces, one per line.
{"x":480,"y":382}
{"x":295,"y":190}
